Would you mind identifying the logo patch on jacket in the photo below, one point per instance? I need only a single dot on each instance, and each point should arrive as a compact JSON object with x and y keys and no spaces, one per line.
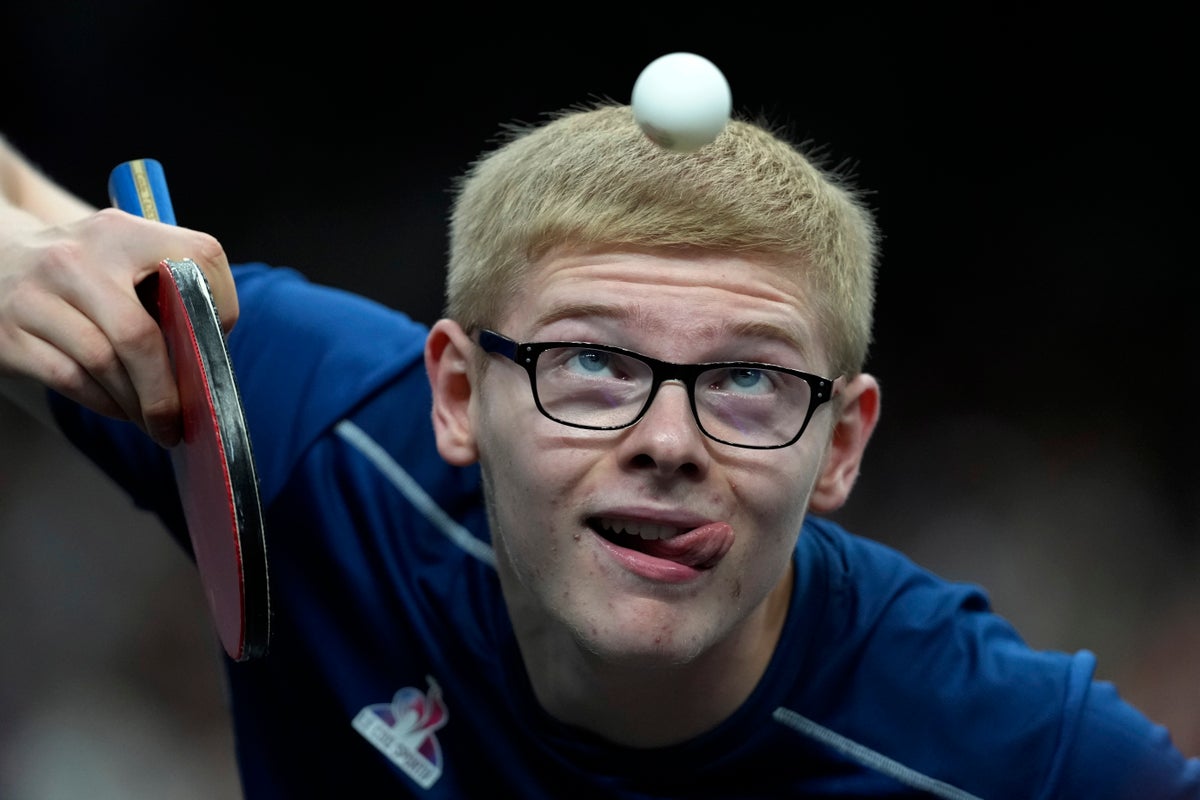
{"x":403,"y":730}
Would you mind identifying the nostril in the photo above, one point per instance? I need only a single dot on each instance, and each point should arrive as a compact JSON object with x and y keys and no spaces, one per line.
{"x":643,"y":460}
{"x":688,"y":469}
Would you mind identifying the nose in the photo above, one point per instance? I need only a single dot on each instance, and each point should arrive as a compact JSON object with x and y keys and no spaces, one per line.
{"x":667,"y":439}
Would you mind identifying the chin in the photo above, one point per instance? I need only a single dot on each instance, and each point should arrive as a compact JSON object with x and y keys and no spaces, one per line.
{"x":641,"y":643}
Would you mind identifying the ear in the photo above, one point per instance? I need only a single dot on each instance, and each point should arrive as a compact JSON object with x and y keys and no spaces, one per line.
{"x":447,"y":362}
{"x":858,"y":412}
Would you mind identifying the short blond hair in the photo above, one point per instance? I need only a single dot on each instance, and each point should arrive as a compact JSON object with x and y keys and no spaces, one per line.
{"x":589,"y":177}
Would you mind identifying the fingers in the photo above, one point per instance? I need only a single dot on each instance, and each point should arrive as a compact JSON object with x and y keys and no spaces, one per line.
{"x":64,"y":375}
{"x":130,"y":360}
{"x":105,"y":351}
{"x":210,"y":257}
{"x":177,"y":243}
{"x":70,"y":315}
{"x":119,"y":345}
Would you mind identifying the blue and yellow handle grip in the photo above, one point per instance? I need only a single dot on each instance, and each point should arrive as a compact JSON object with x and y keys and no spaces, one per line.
{"x":140,"y":187}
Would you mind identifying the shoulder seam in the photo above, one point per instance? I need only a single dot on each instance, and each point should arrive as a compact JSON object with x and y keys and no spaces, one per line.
{"x":867,"y":757}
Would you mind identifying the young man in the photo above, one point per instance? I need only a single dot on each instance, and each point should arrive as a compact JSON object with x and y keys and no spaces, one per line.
{"x":602,"y":570}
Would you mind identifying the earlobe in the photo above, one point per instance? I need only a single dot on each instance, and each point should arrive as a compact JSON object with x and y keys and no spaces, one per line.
{"x":858,"y":413}
{"x":447,"y":362}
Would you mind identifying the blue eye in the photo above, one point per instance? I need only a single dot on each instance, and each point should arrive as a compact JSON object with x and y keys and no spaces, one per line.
{"x":743,"y":381}
{"x":592,"y":360}
{"x":746,"y":378}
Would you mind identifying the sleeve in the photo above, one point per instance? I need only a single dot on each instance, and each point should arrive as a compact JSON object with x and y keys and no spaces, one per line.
{"x":1114,"y":751}
{"x":305,"y":355}
{"x":946,"y":686}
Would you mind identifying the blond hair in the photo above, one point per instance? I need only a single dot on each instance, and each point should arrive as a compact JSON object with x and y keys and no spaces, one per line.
{"x":589,"y":177}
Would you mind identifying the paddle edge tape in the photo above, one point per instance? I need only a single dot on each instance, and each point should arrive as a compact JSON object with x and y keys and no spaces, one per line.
{"x":139,"y":187}
{"x":196,"y":296}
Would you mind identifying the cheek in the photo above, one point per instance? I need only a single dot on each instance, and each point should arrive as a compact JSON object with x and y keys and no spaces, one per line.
{"x":527,"y":476}
{"x":776,"y":497}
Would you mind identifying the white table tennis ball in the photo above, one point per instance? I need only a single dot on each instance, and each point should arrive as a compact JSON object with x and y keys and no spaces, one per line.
{"x":681,"y":101}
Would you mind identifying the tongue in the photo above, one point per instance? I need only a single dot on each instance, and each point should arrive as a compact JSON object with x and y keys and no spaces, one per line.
{"x":699,"y":548}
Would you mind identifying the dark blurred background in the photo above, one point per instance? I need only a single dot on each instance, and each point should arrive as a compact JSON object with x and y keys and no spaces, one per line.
{"x":1033,"y":172}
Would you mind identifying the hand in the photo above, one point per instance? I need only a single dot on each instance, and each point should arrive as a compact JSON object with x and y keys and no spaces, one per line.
{"x":70,"y":317}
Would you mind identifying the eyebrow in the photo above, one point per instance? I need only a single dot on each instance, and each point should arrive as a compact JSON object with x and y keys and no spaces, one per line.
{"x":751,"y":329}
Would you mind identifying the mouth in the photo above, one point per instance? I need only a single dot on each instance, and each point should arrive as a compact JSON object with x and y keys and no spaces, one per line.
{"x":626,"y":532}
{"x":700,"y":548}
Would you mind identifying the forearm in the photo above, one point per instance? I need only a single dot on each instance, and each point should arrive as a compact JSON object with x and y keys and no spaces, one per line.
{"x":28,"y":202}
{"x":25,"y":190}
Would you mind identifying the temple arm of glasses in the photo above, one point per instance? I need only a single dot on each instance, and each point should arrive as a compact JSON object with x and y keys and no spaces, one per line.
{"x":492,"y":342}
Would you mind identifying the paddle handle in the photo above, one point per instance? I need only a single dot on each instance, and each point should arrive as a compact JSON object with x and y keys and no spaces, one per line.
{"x":140,"y":187}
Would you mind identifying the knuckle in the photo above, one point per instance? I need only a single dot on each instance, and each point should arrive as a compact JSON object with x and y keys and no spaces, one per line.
{"x":107,"y":216}
{"x":209,"y":251}
{"x":62,"y":262}
{"x":159,"y":408}
{"x":97,"y":357}
{"x":137,"y":335}
{"x":67,"y":378}
{"x":105,"y":223}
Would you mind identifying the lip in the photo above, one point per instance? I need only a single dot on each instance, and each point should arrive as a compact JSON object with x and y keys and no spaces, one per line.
{"x":685,"y":557}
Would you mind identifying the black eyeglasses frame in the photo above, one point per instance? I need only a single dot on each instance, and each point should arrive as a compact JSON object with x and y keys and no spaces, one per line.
{"x":526,"y":354}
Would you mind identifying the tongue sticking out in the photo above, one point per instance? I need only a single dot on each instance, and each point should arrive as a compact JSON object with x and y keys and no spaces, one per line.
{"x":699,"y":548}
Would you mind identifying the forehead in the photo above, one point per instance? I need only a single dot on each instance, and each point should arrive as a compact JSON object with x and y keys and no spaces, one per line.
{"x":672,"y":302}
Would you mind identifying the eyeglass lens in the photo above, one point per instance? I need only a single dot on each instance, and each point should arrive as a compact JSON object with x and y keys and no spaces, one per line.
{"x":740,"y":404}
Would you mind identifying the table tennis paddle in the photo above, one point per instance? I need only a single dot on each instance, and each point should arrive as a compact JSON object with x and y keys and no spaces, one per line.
{"x":213,"y":464}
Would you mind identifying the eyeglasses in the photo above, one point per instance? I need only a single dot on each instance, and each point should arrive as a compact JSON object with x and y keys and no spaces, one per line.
{"x":600,"y":387}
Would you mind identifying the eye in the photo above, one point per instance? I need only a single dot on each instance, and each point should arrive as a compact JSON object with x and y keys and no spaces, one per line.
{"x":746,"y":378}
{"x":742,"y":381}
{"x":588,"y":363}
{"x":591,"y":361}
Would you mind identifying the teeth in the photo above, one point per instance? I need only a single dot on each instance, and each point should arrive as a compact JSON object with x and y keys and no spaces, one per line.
{"x":645,"y":530}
